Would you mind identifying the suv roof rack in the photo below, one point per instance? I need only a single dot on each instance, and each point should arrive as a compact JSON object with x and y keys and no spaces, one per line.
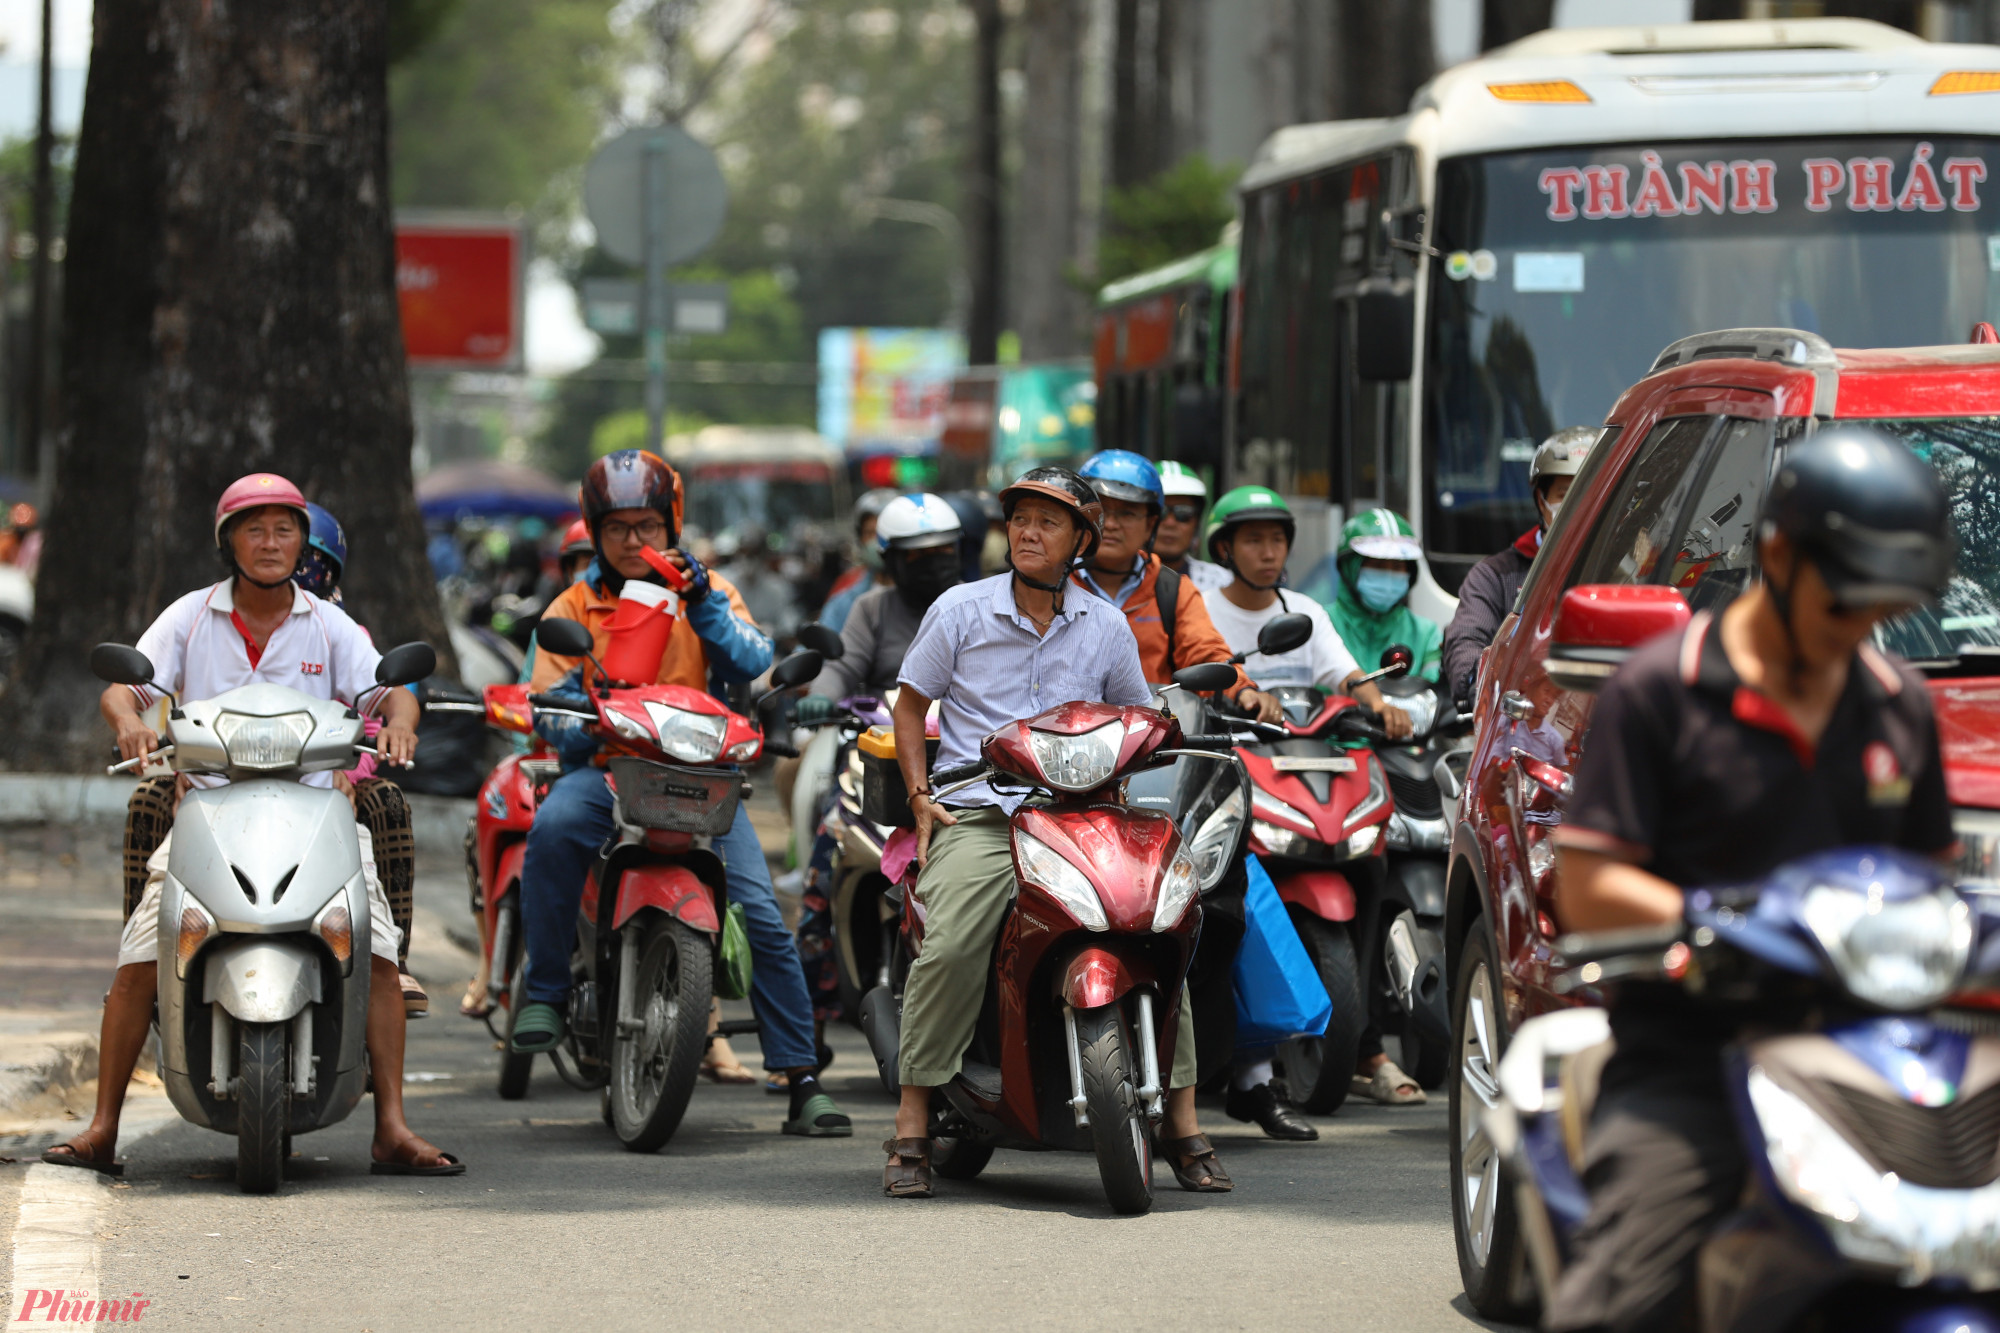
{"x":1791,"y":347}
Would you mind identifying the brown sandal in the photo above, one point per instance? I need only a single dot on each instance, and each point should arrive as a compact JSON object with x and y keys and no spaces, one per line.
{"x":908,"y":1174}
{"x":1196,"y":1166}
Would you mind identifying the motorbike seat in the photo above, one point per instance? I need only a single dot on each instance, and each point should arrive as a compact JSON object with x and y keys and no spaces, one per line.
{"x":1580,"y":1075}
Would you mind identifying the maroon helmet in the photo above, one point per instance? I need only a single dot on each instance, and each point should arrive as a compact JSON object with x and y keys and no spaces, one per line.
{"x":631,"y":479}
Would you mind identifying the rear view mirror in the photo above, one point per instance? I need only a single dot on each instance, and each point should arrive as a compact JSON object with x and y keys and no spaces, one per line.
{"x":1205,"y":677}
{"x":116,"y":664}
{"x":796,"y":670}
{"x":1384,"y":329}
{"x":1599,"y":624}
{"x":1284,"y":634}
{"x":564,"y":638}
{"x":406,"y":665}
{"x":824,"y":641}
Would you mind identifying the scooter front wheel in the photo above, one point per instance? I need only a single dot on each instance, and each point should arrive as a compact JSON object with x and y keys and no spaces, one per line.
{"x":1119,"y":1130}
{"x":655,"y":1059}
{"x":263,"y":1100}
{"x":1320,"y":1070}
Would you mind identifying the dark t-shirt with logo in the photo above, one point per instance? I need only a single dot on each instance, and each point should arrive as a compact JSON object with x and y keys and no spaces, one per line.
{"x":1690,"y":774}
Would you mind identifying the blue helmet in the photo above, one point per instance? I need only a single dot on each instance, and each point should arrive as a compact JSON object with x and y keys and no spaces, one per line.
{"x":1120,"y":474}
{"x":325,"y":554}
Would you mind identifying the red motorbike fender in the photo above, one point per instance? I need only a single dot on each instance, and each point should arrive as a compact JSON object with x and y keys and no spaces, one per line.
{"x":675,"y":890}
{"x":1324,"y":893}
{"x":1095,"y":978}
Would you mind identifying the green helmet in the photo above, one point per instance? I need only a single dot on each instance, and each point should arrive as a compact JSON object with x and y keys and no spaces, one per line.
{"x":1375,"y":534}
{"x":1178,"y":479}
{"x":1246,"y":504}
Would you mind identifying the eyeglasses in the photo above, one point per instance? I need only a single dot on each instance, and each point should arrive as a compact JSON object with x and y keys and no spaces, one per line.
{"x":1183,"y":513}
{"x":617,"y":532}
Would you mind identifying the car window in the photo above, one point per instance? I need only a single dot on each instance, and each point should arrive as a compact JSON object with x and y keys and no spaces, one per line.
{"x":1717,"y":552}
{"x":1637,"y":527}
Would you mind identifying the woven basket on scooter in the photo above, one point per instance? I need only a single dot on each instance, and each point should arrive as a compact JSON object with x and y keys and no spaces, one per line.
{"x":675,"y":799}
{"x":381,"y":805}
{"x":149,"y":814}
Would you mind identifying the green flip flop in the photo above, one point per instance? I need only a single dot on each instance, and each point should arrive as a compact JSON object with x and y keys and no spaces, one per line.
{"x":820,"y":1118}
{"x":538,"y":1029}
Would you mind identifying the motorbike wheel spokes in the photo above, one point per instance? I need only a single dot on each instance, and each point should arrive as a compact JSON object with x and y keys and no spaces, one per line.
{"x":1121,"y":1134}
{"x":1320,"y":1070}
{"x":263,"y":1106}
{"x":1490,"y":1258}
{"x":514,"y":1069}
{"x":653,"y":1066}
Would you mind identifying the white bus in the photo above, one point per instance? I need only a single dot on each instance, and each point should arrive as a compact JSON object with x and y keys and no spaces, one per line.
{"x":1424,"y":298}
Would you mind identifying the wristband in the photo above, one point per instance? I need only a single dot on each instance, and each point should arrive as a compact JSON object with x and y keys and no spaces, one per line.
{"x":921,"y":791}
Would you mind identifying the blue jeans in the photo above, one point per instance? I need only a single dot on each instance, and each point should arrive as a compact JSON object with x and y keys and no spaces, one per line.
{"x":571,"y":824}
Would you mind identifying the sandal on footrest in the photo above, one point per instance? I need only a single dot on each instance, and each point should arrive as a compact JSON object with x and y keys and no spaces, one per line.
{"x":538,"y":1029}
{"x":1196,"y":1166}
{"x":908,"y":1174}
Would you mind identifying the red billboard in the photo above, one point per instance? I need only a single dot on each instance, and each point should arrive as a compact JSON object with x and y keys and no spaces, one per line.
{"x":459,"y":283}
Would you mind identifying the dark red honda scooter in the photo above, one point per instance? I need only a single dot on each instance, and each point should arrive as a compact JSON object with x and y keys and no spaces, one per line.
{"x":1077,"y":1031}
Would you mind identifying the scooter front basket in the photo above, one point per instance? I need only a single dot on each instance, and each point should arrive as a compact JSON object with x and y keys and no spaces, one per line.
{"x":675,"y":799}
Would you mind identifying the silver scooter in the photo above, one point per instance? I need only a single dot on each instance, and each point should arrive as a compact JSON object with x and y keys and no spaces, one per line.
{"x":264,"y":925}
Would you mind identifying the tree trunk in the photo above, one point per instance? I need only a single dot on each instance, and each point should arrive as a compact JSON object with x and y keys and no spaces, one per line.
{"x":984,"y":235}
{"x":1049,"y":311}
{"x":1129,"y":112}
{"x":230,"y":307}
{"x":1503,"y":21}
{"x":1385,"y":53}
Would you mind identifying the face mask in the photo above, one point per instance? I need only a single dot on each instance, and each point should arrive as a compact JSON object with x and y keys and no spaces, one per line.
{"x":871,"y":558}
{"x":1380,"y":589}
{"x":1554,"y":509}
{"x":922,"y":582}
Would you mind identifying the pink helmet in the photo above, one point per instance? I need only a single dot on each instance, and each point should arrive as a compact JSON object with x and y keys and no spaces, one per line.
{"x":254,"y":492}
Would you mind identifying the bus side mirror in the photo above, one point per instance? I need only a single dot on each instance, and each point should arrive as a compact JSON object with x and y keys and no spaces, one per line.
{"x":1384,"y":329}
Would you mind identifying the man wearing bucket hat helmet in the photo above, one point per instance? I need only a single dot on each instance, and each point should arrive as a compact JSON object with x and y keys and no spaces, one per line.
{"x":632,"y":500}
{"x":1487,"y":596}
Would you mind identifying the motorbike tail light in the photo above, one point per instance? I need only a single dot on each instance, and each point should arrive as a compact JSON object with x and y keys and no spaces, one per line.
{"x":196,"y":927}
{"x":336,"y":927}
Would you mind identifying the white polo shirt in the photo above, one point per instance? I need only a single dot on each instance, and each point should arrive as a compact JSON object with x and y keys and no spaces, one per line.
{"x":199,"y":649}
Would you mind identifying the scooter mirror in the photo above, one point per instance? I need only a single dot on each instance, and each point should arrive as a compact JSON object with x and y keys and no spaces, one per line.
{"x":1398,"y":658}
{"x":1205,"y":677}
{"x":796,"y":670}
{"x":1284,"y":634}
{"x":564,"y":638}
{"x":116,"y":664}
{"x":406,"y":664}
{"x":824,"y":641}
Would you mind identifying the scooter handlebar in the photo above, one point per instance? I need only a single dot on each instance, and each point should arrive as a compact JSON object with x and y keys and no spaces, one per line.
{"x":562,"y":703}
{"x":944,"y":777}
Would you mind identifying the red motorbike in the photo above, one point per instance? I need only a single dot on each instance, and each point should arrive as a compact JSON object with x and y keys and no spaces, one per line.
{"x":1318,"y":814}
{"x":1077,"y":1029}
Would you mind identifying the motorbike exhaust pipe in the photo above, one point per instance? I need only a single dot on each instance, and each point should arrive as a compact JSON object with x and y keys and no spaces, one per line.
{"x":221,"y":1053}
{"x":1152,"y":1094}
{"x":1078,"y":1103}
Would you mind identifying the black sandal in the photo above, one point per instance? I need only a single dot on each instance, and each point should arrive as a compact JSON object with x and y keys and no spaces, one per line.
{"x":1196,"y":1166}
{"x":68,"y":1154}
{"x":908,"y":1174}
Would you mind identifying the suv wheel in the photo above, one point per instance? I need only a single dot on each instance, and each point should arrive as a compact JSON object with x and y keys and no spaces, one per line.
{"x":1492,"y":1261}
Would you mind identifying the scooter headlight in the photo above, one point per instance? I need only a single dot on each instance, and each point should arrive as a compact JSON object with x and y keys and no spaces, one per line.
{"x":1216,"y":838}
{"x":1871,"y":1217}
{"x":1078,"y":763}
{"x":264,"y":743}
{"x":1177,"y":889}
{"x":694,"y":738}
{"x":1902,"y":956}
{"x":1049,"y":871}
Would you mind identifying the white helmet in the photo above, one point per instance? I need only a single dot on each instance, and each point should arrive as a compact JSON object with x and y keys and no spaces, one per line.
{"x":1179,"y":479}
{"x":1562,"y":454}
{"x":916,"y":521}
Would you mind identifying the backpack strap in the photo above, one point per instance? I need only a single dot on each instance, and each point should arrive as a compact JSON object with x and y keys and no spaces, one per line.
{"x":1167,"y":594}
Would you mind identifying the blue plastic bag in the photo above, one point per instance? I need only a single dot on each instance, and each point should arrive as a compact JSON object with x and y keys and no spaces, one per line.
{"x":1278,"y":991}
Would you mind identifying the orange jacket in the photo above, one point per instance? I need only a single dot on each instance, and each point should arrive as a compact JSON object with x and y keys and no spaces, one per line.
{"x":1196,"y":640}
{"x":684,"y":663}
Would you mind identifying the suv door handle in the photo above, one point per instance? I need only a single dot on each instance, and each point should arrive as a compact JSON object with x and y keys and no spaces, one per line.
{"x":1517,"y":705}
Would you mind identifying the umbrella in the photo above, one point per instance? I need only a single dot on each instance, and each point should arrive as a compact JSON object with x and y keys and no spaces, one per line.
{"x":489,"y":488}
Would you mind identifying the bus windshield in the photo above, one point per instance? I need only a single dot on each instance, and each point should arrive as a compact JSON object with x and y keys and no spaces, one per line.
{"x":1562,"y":273}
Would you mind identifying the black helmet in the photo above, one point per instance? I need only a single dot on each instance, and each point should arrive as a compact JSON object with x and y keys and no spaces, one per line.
{"x":1868,"y":512}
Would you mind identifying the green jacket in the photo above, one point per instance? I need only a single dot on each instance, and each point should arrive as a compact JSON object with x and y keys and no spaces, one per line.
{"x":1367,"y":634}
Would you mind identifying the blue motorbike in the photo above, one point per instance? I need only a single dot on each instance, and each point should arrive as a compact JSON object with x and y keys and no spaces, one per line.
{"x":1871,"y":1122}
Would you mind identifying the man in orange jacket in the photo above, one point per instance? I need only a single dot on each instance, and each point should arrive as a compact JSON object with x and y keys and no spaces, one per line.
{"x":1164,"y":609}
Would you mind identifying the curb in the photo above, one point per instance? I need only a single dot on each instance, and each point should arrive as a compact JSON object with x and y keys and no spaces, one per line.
{"x":66,"y":1059}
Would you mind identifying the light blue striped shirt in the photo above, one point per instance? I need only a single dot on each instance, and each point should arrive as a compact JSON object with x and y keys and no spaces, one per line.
{"x":980,"y":658}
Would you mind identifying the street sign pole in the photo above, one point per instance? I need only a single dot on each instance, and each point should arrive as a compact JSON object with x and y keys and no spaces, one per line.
{"x":655,"y":207}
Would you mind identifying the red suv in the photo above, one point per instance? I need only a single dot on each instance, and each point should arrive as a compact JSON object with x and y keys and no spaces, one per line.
{"x":1662,"y":522}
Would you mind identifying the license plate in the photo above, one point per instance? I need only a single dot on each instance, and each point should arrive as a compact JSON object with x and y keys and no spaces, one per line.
{"x":1289,"y":763}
